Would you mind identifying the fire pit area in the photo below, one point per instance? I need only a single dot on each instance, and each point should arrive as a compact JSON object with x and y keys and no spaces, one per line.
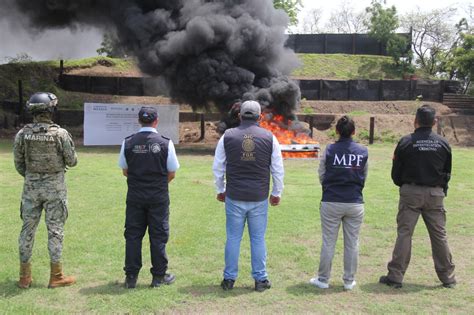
{"x":293,"y":137}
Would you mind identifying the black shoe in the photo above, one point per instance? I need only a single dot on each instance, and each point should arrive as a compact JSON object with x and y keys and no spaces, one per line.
{"x":262,"y":285}
{"x":227,"y":284}
{"x":451,"y":285}
{"x":131,"y":281}
{"x":390,"y":283}
{"x":159,"y":280}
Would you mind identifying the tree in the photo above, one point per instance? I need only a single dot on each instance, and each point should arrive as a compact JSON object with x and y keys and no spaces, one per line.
{"x":346,"y":20}
{"x":110,"y":47}
{"x":382,"y":25}
{"x":433,"y":37}
{"x":382,"y":22}
{"x":310,"y":22}
{"x":462,"y":62}
{"x":291,"y":7}
{"x":22,"y":57}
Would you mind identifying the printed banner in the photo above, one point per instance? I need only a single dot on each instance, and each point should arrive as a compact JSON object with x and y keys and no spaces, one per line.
{"x":109,"y":124}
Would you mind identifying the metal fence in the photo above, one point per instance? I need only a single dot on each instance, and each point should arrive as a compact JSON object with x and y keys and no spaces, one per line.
{"x":374,"y":90}
{"x":360,"y":90}
{"x":355,"y":44}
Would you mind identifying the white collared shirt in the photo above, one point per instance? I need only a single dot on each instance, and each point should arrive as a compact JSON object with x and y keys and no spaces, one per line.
{"x":276,"y":167}
{"x":172,"y":163}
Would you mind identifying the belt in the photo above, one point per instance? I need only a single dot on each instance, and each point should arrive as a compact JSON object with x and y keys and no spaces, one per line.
{"x":423,"y":185}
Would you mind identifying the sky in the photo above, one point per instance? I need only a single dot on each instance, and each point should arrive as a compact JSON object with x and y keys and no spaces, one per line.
{"x":48,"y":45}
{"x":84,"y":42}
{"x":403,"y":6}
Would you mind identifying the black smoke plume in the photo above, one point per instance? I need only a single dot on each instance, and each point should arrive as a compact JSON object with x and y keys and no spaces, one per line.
{"x":206,"y":52}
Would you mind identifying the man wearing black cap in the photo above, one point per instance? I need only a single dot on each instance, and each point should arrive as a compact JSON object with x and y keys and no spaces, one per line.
{"x":244,"y":159}
{"x":422,"y":169}
{"x":149,"y":162}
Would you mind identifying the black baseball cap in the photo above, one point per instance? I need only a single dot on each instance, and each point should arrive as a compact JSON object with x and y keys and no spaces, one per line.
{"x":147,"y":114}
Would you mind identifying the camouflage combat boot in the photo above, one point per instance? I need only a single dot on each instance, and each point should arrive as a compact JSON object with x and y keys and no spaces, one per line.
{"x":58,"y":279}
{"x":25,"y":276}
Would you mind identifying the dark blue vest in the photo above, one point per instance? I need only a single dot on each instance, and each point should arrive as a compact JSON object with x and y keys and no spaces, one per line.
{"x":146,"y":154}
{"x":248,"y":150}
{"x":344,"y":178}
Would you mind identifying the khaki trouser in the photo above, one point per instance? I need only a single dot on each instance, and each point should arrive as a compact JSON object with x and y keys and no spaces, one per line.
{"x":427,"y":201}
{"x":332,"y":215}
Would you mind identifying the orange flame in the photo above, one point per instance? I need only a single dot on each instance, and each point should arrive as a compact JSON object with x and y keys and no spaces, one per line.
{"x":284,"y":134}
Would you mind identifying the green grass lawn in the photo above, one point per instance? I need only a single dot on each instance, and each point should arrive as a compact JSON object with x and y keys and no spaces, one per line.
{"x":94,"y":246}
{"x":345,"y":67}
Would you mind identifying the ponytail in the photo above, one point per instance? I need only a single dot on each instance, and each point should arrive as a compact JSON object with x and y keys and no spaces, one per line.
{"x":345,"y":126}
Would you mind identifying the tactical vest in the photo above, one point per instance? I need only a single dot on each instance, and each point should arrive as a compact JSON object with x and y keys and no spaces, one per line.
{"x":146,"y":154}
{"x":43,"y":153}
{"x":344,"y":178}
{"x":248,"y":150}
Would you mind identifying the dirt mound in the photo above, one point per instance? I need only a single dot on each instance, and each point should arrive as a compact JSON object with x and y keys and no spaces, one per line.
{"x":105,"y":69}
{"x":357,"y":108}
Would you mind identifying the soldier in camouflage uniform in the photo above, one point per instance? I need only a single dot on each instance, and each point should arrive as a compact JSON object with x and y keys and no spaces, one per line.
{"x":42,"y":151}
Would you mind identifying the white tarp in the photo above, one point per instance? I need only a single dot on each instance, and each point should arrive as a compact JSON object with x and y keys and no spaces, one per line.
{"x":109,"y":124}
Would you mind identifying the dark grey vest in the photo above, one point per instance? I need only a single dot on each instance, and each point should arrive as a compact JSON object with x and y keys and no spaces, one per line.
{"x":344,"y":178}
{"x":248,"y":150}
{"x":147,"y":154}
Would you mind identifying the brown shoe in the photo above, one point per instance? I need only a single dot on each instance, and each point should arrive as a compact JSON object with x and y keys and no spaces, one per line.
{"x":58,"y":279}
{"x":25,"y":276}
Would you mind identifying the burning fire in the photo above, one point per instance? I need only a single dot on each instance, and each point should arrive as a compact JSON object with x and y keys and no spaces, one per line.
{"x":289,"y":132}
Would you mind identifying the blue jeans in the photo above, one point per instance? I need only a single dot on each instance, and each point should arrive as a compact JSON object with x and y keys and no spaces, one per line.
{"x":255,"y":213}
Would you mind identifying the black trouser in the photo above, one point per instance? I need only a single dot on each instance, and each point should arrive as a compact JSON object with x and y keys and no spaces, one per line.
{"x":139,"y":216}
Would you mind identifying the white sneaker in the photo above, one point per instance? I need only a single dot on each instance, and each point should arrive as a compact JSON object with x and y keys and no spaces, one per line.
{"x":319,"y":284}
{"x":350,"y":286}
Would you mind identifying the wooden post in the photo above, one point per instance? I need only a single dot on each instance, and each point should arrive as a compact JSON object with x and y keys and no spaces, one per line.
{"x":439,"y":126}
{"x":310,"y":121}
{"x":61,"y":67}
{"x":371,"y":130}
{"x":203,"y":128}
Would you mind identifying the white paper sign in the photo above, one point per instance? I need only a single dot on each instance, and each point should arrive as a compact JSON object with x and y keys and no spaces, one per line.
{"x":109,"y":124}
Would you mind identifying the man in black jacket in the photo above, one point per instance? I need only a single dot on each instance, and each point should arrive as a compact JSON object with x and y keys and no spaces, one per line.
{"x":149,"y":162}
{"x":422,"y":169}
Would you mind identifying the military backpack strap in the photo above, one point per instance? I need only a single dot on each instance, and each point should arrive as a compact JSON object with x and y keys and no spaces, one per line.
{"x":28,"y":128}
